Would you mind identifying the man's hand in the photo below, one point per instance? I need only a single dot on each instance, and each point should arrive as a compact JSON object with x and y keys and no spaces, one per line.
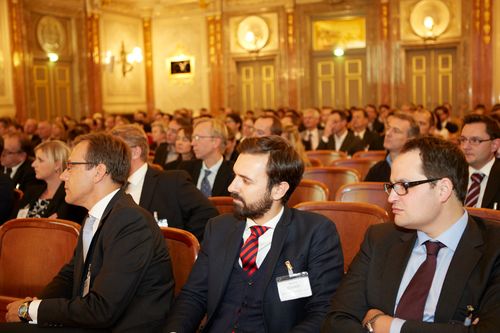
{"x":382,"y":324}
{"x":12,"y":310}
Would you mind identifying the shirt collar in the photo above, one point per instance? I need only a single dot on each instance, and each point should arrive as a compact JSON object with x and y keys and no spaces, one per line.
{"x":485,"y":170}
{"x":342,"y":137}
{"x":98,"y":209}
{"x":214,"y":167}
{"x":271,"y":223}
{"x":451,"y":237}
{"x":138,"y":175}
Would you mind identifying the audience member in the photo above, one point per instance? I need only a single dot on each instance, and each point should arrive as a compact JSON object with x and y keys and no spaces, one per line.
{"x":444,"y":126}
{"x":109,"y":123}
{"x":183,"y":148}
{"x":435,"y":269}
{"x":6,"y":193}
{"x":337,"y":136}
{"x":480,"y":140}
{"x":242,"y":282}
{"x":168,"y":195}
{"x":400,"y":127}
{"x":374,"y":122}
{"x":159,"y":131}
{"x":292,"y":135}
{"x":425,"y":121}
{"x":231,"y":151}
{"x":47,"y":199}
{"x":44,"y":130}
{"x":359,"y":125}
{"x":16,"y":162}
{"x":267,"y":125}
{"x":165,"y":152}
{"x":247,"y":128}
{"x":30,"y":129}
{"x":120,"y":277}
{"x":210,"y":172}
{"x":233,"y":122}
{"x":311,"y":135}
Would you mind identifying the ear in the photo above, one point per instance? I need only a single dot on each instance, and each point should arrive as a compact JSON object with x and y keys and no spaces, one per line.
{"x":58,"y":166}
{"x":100,"y":173}
{"x":136,"y":152}
{"x":444,"y":189}
{"x":495,"y":144}
{"x":278,"y":191}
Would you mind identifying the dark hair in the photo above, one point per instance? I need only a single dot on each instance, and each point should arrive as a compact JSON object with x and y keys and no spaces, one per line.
{"x":442,"y":159}
{"x":284,"y":164}
{"x":235,"y":117}
{"x":492,"y":127}
{"x":109,"y":150}
{"x":363,"y":111}
{"x":276,"y":128}
{"x":414,"y":130}
{"x":432,"y":119}
{"x":342,"y":114}
{"x":24,"y":142}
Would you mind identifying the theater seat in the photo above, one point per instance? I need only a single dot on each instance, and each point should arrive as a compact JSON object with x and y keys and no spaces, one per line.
{"x":223,"y":204}
{"x":309,"y":190}
{"x":485,"y":213}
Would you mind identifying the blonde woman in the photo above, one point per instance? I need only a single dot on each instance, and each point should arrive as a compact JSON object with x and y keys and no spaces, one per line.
{"x":291,"y":133}
{"x":47,"y":199}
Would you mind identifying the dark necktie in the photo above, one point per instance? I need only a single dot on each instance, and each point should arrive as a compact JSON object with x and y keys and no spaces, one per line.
{"x":8,"y":172}
{"x":248,"y":253}
{"x":412,"y":303}
{"x":205,"y":187}
{"x":474,"y":189}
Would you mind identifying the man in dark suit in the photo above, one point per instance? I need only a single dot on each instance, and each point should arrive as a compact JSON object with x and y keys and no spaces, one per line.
{"x":6,"y":193}
{"x":400,"y":128}
{"x":165,"y":152}
{"x":120,"y":277}
{"x":480,"y":140}
{"x":436,"y":269}
{"x":246,"y":266}
{"x":359,"y":125}
{"x":311,"y":135}
{"x":337,"y":136}
{"x":210,"y":172}
{"x":169,"y":195}
{"x":16,"y":162}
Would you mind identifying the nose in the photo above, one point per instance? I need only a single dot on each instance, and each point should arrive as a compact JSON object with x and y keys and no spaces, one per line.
{"x":64,"y":175}
{"x":232,"y":187}
{"x":392,"y":196}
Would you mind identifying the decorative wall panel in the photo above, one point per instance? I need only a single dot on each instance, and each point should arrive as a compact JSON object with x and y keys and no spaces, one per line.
{"x":6,"y":91}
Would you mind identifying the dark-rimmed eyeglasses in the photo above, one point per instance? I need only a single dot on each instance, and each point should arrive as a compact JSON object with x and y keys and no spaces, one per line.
{"x":70,"y":165}
{"x":401,"y":188}
{"x":473,"y":141}
{"x":199,"y":137}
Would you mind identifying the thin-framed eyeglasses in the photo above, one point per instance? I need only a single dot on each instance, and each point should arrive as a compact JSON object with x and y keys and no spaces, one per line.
{"x":473,"y":141}
{"x":9,"y":153}
{"x":401,"y":188}
{"x":199,"y":137}
{"x":70,"y":165}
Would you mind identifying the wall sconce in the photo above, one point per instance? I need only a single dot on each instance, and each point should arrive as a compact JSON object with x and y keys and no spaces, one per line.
{"x":126,"y":60}
{"x":429,"y":19}
{"x":53,"y":57}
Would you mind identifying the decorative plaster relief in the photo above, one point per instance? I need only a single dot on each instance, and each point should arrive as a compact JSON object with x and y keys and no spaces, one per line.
{"x":6,"y":98}
{"x":271,"y":19}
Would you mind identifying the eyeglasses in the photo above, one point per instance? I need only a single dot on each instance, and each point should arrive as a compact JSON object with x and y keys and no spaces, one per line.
{"x":183,"y":139}
{"x":199,"y":137}
{"x":473,"y":141}
{"x":69,"y":165}
{"x":6,"y":152}
{"x":401,"y":188}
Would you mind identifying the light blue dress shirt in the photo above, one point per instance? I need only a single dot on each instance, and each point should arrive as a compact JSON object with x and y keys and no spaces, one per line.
{"x":450,"y":238}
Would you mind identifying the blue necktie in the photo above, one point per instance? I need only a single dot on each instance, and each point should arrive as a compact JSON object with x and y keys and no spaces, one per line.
{"x":205,"y":188}
{"x":87,"y":234}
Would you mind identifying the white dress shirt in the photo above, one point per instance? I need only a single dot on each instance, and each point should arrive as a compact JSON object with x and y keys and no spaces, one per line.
{"x":211,"y":177}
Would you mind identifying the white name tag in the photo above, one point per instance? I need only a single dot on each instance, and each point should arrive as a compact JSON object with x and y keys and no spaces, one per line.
{"x":294,"y":286}
{"x":22,"y":213}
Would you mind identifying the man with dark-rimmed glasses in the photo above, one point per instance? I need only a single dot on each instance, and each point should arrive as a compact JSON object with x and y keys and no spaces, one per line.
{"x":435,"y":269}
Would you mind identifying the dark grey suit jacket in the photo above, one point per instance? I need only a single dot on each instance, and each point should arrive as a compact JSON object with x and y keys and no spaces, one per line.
{"x":223,"y":178}
{"x":131,"y":285}
{"x":174,"y":197}
{"x":350,"y":145}
{"x":492,"y":191}
{"x":309,"y":241}
{"x":473,"y":278}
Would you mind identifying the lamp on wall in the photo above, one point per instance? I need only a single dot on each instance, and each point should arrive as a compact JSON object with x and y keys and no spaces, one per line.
{"x":126,"y":60}
{"x":429,"y":19}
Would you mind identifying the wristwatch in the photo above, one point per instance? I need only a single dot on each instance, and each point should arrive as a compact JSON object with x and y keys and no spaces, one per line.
{"x":368,"y":324}
{"x":23,"y":312}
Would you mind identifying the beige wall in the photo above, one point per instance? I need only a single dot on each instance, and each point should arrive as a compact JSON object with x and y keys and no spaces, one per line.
{"x":496,"y":53}
{"x":175,"y":39}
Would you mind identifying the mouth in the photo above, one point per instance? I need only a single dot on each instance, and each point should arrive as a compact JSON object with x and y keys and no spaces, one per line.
{"x":396,"y":210}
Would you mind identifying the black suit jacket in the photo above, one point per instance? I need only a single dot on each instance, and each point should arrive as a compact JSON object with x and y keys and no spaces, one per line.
{"x":174,"y":197}
{"x":25,"y":175}
{"x":57,"y":204}
{"x":309,"y":241}
{"x":380,"y":172}
{"x":373,"y":140}
{"x":6,"y":197}
{"x":492,"y":190}
{"x":350,"y":145}
{"x":131,"y":285}
{"x":161,"y":153}
{"x":223,"y":178}
{"x":374,"y":277}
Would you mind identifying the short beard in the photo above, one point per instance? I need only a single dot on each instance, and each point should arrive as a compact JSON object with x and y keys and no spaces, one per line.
{"x":253,"y":211}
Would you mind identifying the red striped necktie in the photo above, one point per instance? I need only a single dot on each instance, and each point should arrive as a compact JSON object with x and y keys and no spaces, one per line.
{"x":248,"y":253}
{"x":474,"y":189}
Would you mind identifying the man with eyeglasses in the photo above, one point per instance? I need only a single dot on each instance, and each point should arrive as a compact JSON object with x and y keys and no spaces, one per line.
{"x":480,"y":140}
{"x":16,"y":162}
{"x":210,"y":172}
{"x":436,"y":268}
{"x":120,"y":277}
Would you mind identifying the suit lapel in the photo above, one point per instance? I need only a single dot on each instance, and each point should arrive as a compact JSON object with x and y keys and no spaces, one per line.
{"x":347,"y":142}
{"x":394,"y":270}
{"x":220,"y":177}
{"x":462,"y":264}
{"x":492,"y":186}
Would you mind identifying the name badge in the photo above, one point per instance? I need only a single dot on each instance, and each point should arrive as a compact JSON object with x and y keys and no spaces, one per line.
{"x":293,"y":285}
{"x":86,"y":284}
{"x":22,"y":213}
